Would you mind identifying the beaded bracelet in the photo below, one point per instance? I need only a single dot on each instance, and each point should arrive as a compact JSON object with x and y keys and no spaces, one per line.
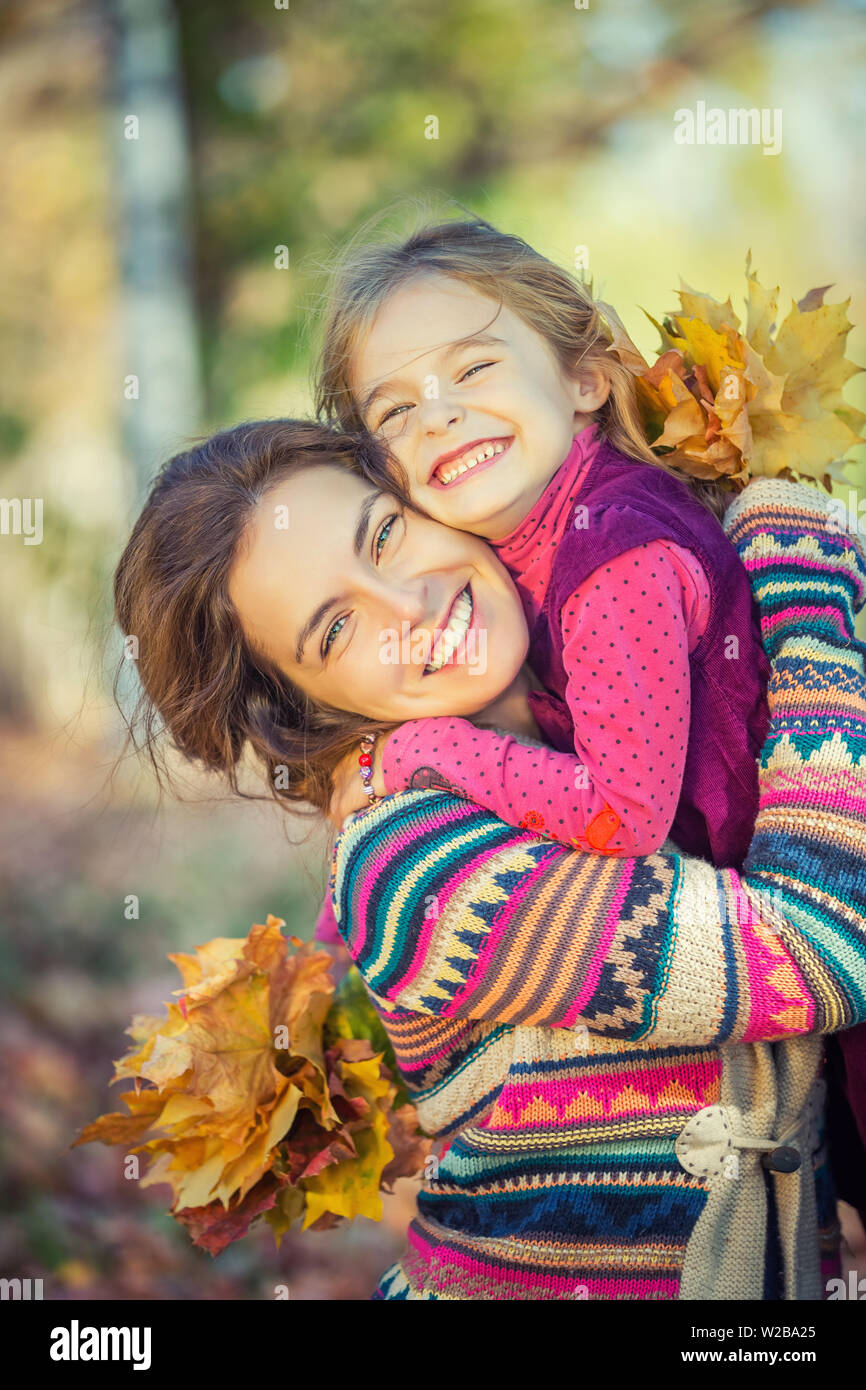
{"x":365,"y":762}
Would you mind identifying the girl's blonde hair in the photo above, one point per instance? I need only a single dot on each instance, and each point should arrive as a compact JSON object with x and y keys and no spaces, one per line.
{"x":507,"y":270}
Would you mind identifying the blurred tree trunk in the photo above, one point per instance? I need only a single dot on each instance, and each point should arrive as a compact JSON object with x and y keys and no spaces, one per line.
{"x":159,"y":377}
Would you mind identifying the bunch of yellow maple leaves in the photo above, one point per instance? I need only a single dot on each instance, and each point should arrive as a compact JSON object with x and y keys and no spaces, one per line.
{"x":723,"y":401}
{"x":265,"y":1092}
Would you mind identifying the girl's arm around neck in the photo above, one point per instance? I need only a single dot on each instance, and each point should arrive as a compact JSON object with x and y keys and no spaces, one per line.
{"x":525,"y":784}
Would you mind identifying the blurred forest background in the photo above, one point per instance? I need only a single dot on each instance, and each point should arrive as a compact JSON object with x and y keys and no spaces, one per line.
{"x":155,"y":157}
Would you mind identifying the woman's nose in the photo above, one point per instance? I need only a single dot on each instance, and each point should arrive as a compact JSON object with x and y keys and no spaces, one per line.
{"x":411,"y":605}
{"x":402,"y":601}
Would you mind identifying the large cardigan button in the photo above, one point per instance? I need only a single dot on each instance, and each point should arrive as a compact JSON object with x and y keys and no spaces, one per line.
{"x":705,"y":1145}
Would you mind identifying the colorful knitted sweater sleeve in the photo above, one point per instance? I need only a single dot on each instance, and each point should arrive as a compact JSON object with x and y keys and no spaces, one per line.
{"x":450,"y":912}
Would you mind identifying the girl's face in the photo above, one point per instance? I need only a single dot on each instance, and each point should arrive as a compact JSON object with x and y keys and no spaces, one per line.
{"x":471,"y":401}
{"x":372,"y":609}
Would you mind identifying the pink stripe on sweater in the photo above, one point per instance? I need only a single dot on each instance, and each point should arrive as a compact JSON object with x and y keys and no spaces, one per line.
{"x":438,"y":1258}
{"x":697,"y":1085}
{"x":835,"y":798}
{"x":807,"y":716}
{"x":767,"y":1000}
{"x":798,"y":611}
{"x":625,"y":1288}
{"x":789,"y":786}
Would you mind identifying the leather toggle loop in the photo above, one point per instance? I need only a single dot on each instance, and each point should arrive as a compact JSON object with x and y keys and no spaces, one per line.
{"x":708,"y":1147}
{"x":785,"y":1159}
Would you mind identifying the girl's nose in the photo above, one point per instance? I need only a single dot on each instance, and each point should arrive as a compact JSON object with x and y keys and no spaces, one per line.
{"x":440,"y":414}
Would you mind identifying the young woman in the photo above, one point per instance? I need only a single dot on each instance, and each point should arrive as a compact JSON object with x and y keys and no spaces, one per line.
{"x":622,"y":1054}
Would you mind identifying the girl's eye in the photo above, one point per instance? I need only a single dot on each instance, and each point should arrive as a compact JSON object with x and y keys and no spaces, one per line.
{"x":392,"y":414}
{"x":331,"y":635}
{"x":479,"y":367}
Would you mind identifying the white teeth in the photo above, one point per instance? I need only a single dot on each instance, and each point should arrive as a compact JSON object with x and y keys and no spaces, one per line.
{"x":468,"y":461}
{"x":453,"y":634}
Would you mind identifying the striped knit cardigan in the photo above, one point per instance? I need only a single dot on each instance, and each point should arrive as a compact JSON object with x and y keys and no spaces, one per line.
{"x":609,"y":1046}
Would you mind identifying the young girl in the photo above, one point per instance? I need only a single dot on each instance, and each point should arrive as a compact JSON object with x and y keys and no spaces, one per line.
{"x":489,"y":373}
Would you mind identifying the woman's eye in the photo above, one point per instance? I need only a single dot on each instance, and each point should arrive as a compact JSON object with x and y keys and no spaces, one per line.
{"x":332,"y":634}
{"x":479,"y":367}
{"x":384,"y":533}
{"x":378,"y":546}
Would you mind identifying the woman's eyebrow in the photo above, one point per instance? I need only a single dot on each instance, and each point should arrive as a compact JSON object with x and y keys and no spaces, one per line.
{"x":385,"y":387}
{"x":359,"y":541}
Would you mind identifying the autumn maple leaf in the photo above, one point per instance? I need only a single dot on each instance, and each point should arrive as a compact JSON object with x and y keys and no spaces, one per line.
{"x":259,"y":1094}
{"x":726,"y":402}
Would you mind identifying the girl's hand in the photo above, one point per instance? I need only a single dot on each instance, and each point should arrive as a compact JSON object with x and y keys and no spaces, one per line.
{"x":349,"y":794}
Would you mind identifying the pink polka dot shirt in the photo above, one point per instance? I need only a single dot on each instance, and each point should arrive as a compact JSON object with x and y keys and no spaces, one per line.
{"x":628,"y":630}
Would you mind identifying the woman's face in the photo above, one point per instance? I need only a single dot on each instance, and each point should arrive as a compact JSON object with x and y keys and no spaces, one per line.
{"x":373,"y":609}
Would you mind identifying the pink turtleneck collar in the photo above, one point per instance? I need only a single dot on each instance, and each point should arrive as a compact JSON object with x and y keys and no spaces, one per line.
{"x":527,"y":553}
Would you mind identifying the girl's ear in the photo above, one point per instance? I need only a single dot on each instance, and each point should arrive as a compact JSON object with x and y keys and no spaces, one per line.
{"x":590,"y":388}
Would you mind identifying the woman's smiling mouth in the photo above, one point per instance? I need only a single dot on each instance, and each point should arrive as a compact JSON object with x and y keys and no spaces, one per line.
{"x":448,"y":641}
{"x":450,"y":468}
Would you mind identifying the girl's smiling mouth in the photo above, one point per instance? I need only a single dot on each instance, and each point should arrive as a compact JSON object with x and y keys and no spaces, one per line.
{"x":450,"y":469}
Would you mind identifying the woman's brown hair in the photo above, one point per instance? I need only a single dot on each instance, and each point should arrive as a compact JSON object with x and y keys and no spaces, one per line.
{"x":508,"y":271}
{"x":203,"y":686}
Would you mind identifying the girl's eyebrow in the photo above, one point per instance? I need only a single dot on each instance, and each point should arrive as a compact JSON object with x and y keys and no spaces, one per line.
{"x":450,"y":349}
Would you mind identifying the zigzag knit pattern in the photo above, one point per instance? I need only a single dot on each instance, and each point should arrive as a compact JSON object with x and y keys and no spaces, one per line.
{"x":809,"y":848}
{"x":560,"y":1017}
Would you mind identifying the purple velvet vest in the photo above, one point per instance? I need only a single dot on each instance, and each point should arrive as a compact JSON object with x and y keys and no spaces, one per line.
{"x":628,"y":503}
